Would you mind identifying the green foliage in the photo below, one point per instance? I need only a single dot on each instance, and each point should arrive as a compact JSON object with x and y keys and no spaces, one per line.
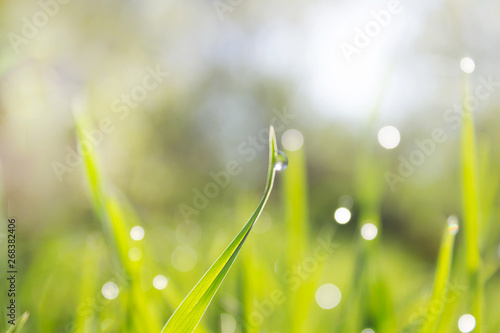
{"x":189,"y":313}
{"x":384,"y":285}
{"x":18,"y":328}
{"x":472,"y":212}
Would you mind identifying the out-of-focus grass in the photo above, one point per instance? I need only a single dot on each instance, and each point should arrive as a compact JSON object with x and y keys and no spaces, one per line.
{"x":139,"y":317}
{"x":471,"y":211}
{"x":296,"y":219}
{"x":273,"y":287}
{"x":18,"y":328}
{"x":441,"y":279}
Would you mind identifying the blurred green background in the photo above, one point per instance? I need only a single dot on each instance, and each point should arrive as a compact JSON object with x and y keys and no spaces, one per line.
{"x":174,"y":95}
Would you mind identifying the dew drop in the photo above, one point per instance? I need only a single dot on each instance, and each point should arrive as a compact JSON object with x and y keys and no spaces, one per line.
{"x":452,"y":225}
{"x":281,"y":161}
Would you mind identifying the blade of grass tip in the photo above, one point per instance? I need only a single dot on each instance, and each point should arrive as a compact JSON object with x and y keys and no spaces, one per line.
{"x":97,"y":193}
{"x":187,"y":316}
{"x":114,"y":230}
{"x":470,"y":202}
{"x":442,"y":275}
{"x":92,"y":173}
{"x":20,"y":324}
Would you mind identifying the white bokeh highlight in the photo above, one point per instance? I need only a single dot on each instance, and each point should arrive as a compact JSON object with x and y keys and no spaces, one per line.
{"x":137,"y":233}
{"x":160,"y":282}
{"x":110,"y":290}
{"x":328,"y":296}
{"x":389,"y":137}
{"x":369,"y":231}
{"x":467,"y":65}
{"x":342,"y":215}
{"x":466,"y":323}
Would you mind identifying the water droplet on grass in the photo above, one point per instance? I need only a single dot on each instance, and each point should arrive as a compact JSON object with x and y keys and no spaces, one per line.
{"x":281,"y":161}
{"x":452,"y":225}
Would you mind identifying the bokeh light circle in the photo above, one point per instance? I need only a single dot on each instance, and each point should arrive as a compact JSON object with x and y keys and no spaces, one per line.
{"x":110,"y":290}
{"x":369,"y":231}
{"x":328,"y":296}
{"x":292,"y":140}
{"x":389,"y":137}
{"x":342,"y":215}
{"x":137,"y":233}
{"x":467,"y":65}
{"x":160,"y":282}
{"x":466,"y":323}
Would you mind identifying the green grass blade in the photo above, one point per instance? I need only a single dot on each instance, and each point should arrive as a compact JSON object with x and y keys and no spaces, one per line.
{"x":442,"y":275}
{"x":116,"y":226}
{"x":471,"y":211}
{"x":189,"y":313}
{"x":296,"y":217}
{"x":20,"y":324}
{"x":88,"y":284}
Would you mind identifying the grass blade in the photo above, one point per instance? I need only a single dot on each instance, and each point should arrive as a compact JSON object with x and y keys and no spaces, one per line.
{"x":115,"y":224}
{"x":20,"y":324}
{"x":442,"y":275}
{"x":297,"y":221}
{"x":471,"y":211}
{"x":189,"y":313}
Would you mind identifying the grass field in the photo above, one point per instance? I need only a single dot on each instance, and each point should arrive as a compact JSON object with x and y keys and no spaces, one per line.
{"x":249,"y":167}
